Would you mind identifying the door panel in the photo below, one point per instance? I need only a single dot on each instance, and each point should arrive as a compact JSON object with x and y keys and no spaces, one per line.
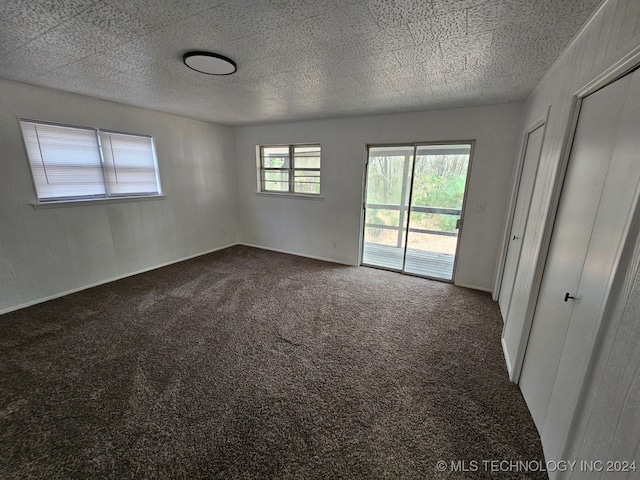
{"x":527,"y":180}
{"x":440,"y":174}
{"x":584,"y":182}
{"x":387,"y":199}
{"x":617,"y":205}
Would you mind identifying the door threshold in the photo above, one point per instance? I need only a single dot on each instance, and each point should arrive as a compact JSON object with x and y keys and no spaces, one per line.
{"x":394,"y":270}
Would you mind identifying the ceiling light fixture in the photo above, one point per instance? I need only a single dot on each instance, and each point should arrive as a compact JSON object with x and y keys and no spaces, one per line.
{"x":209,"y":63}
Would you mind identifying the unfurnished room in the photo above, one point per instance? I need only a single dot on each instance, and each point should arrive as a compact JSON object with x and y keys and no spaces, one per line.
{"x":320,"y":239}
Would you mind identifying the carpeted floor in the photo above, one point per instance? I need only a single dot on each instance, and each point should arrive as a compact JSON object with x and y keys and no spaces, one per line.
{"x":248,"y":364}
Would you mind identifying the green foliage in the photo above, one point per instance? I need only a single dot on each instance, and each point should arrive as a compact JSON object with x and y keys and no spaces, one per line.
{"x":374,"y":217}
{"x":276,"y":162}
{"x":447,"y":192}
{"x":385,"y":180}
{"x":439,"y":182}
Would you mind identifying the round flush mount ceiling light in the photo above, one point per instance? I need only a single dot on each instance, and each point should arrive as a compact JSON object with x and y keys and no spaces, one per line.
{"x":209,"y":63}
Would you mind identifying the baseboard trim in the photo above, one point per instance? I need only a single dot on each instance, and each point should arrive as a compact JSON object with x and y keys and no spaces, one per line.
{"x":473,"y":287}
{"x":262,"y":247}
{"x":324,"y":259}
{"x":85,"y":287}
{"x":297,"y":254}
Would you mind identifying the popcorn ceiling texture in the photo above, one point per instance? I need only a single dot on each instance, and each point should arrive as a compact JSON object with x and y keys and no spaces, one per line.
{"x":297,"y":59}
{"x":252,"y":364}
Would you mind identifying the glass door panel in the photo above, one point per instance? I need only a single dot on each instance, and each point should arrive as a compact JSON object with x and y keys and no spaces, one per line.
{"x":439,"y":180}
{"x":386,"y":206}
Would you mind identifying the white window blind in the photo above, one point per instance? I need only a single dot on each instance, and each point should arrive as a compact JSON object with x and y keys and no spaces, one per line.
{"x":129,"y":164}
{"x":65,"y":162}
{"x":80,"y":163}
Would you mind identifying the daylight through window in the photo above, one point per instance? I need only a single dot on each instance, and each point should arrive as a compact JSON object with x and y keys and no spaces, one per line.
{"x":83,"y":163}
{"x":290,"y":169}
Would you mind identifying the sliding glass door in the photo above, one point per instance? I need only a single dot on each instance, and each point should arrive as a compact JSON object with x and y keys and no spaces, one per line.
{"x":386,"y":212}
{"x":413,"y":207}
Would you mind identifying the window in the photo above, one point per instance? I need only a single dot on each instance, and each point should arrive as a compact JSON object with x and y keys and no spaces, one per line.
{"x":129,"y":164}
{"x":82,"y":163}
{"x":290,"y":169}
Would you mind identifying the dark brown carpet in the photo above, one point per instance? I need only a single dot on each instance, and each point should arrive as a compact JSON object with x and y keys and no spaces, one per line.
{"x":252,"y":364}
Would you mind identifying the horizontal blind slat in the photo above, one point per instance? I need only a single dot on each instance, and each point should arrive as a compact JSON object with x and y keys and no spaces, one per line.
{"x":65,"y":161}
{"x":130,"y":164}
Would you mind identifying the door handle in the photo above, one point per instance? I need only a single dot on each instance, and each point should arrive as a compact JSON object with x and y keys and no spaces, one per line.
{"x":515,"y":238}
{"x":567,"y":296}
{"x":459,"y":224}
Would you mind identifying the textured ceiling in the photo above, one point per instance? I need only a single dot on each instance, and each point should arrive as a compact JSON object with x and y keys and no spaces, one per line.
{"x":297,"y":59}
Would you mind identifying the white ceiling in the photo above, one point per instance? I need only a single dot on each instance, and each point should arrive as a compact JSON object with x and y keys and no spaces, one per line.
{"x":297,"y":59}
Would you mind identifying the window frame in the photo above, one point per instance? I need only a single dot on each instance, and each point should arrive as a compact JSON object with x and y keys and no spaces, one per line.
{"x":106,"y":197}
{"x":155,"y":163}
{"x":291,"y":169}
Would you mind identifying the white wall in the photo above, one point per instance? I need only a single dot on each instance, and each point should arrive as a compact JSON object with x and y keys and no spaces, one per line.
{"x":310,"y":227}
{"x":46,"y":252}
{"x":613,"y":33}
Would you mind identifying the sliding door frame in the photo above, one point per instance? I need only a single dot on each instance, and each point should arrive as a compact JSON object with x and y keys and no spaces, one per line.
{"x":415,"y":145}
{"x":363,"y":215}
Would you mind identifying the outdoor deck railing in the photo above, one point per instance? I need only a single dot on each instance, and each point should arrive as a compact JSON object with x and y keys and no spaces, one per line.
{"x":403,"y":210}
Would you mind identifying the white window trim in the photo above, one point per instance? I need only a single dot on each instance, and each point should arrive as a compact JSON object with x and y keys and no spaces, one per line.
{"x":94,"y":201}
{"x":307,"y":196}
{"x":78,"y":201}
{"x":290,"y":194}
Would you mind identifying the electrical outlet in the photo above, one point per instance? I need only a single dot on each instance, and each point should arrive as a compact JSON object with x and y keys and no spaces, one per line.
{"x":335,"y":245}
{"x":481,"y":207}
{"x":224,"y":231}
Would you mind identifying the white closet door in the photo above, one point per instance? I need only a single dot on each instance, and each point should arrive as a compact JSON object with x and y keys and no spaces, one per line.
{"x":617,"y":205}
{"x":527,"y":179}
{"x":587,"y":170}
